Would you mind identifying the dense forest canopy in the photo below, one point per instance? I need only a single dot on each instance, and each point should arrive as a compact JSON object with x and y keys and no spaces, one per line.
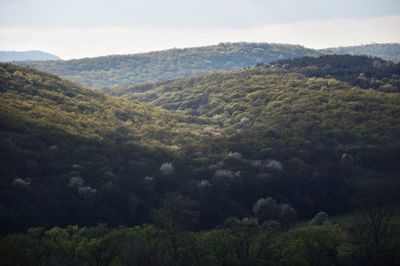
{"x":237,"y":243}
{"x":365,"y":72}
{"x":216,"y":169}
{"x":143,"y":149}
{"x":225,"y":140}
{"x":61,"y":144}
{"x":107,"y":71}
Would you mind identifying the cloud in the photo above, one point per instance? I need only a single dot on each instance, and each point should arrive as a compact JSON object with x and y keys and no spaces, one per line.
{"x":89,"y":42}
{"x":191,"y":13}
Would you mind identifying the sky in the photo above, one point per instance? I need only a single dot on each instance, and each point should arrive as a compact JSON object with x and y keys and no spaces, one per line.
{"x":88,"y":28}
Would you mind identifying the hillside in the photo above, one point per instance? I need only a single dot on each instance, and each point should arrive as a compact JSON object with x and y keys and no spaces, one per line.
{"x":110,"y":70}
{"x":306,"y":119}
{"x":295,"y":99}
{"x":387,"y":51}
{"x":61,"y":144}
{"x":362,"y":71}
{"x":9,"y":56}
{"x":221,"y":165}
{"x":74,"y":156}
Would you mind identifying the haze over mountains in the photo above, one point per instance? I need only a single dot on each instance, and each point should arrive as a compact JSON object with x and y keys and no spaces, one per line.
{"x":387,"y":51}
{"x":107,"y":71}
{"x":9,"y":56}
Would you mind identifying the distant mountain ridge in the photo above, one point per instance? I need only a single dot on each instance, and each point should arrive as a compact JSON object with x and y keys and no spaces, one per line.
{"x":9,"y":56}
{"x":387,"y":51}
{"x":108,"y":71}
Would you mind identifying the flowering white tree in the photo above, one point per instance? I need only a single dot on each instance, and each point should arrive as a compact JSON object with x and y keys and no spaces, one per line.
{"x":167,"y":168}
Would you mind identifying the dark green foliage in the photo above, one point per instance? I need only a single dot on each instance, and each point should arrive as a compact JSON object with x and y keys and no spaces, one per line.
{"x":186,"y":154}
{"x":303,"y":127}
{"x":327,"y":244}
{"x":176,"y":213}
{"x":70,"y":155}
{"x":279,"y":112}
{"x":269,"y":211}
{"x":362,"y":71}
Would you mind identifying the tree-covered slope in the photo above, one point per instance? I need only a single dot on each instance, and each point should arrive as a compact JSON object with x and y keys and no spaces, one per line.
{"x":107,"y":71}
{"x":224,"y":140}
{"x":363,"y":71}
{"x":63,"y":145}
{"x":387,"y":51}
{"x":314,"y":124}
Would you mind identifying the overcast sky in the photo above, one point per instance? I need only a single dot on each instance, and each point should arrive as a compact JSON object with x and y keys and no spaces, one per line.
{"x":87,"y":28}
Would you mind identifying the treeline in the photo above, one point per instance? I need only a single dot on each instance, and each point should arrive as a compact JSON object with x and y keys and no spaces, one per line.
{"x":237,"y":242}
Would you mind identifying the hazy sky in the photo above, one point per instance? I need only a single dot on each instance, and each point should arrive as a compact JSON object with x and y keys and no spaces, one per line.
{"x":73,"y":29}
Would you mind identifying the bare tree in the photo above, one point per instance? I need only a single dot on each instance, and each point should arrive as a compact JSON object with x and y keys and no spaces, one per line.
{"x":373,"y":231}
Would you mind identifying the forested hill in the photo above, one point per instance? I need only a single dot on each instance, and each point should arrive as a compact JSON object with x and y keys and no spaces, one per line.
{"x":71,"y":155}
{"x":107,"y":71}
{"x":387,"y":51}
{"x":363,"y":71}
{"x":311,"y":119}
